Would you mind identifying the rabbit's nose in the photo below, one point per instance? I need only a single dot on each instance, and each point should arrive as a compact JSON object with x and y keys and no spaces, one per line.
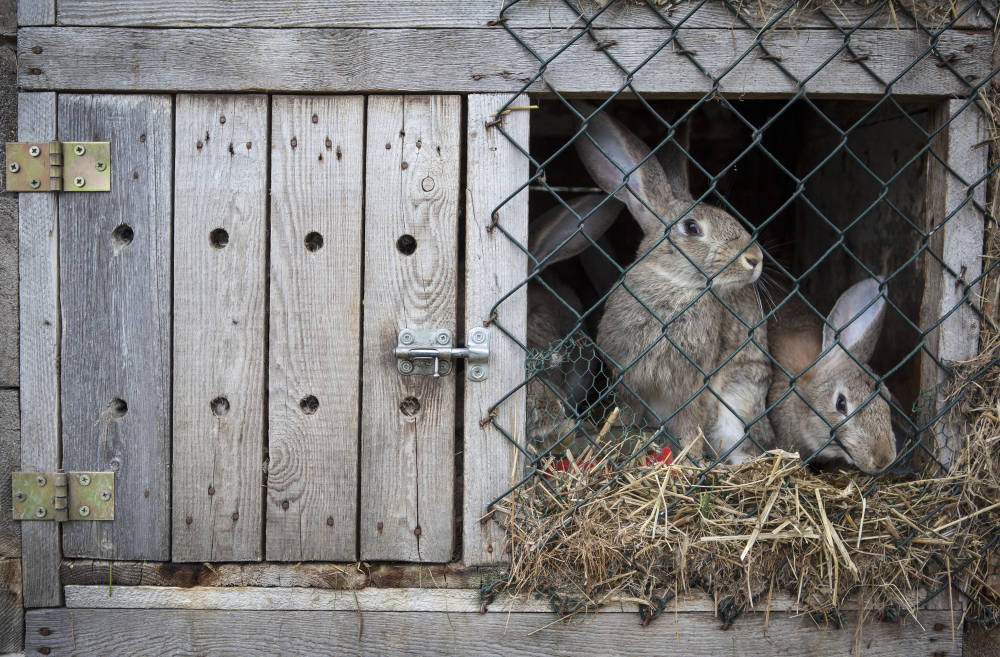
{"x":750,"y":261}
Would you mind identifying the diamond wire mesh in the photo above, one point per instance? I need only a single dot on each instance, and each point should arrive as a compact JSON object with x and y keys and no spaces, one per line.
{"x":572,"y":381}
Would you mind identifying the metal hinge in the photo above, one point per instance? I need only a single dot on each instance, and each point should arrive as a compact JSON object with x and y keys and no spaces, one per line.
{"x":431,"y":352}
{"x":63,"y":496}
{"x":52,"y":166}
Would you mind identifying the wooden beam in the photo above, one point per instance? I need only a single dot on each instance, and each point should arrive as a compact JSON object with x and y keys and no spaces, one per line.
{"x":36,"y":12}
{"x":219,"y":327}
{"x":38,"y":265}
{"x":10,"y":458}
{"x":470,"y":60}
{"x":555,"y":14}
{"x":494,"y":265}
{"x":11,"y":607}
{"x":411,"y":269}
{"x":115,"y":293}
{"x":142,"y":632}
{"x":317,"y":154}
{"x":956,"y":228}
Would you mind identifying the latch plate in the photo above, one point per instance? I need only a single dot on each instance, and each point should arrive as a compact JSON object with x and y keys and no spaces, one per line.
{"x":62,"y":496}
{"x":49,"y":166}
{"x":430,"y":352}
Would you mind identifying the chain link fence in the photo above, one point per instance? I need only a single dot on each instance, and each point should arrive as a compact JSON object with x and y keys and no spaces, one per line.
{"x":717,"y":277}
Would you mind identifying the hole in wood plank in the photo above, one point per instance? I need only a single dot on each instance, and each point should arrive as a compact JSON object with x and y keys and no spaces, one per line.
{"x":220,"y":406}
{"x":410,"y":406}
{"x":314,"y":241}
{"x":117,"y":408}
{"x":406,"y":244}
{"x":219,"y":238}
{"x":309,"y":404}
{"x":123,"y":235}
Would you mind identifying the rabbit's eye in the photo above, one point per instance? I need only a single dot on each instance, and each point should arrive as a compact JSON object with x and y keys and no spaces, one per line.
{"x":841,"y":404}
{"x":692,"y":228}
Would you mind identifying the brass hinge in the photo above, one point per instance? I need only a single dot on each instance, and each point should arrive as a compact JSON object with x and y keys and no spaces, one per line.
{"x":52,"y":166}
{"x":63,"y":496}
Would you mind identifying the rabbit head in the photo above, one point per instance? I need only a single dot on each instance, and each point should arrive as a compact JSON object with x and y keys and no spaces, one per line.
{"x":701,"y":241}
{"x":845,"y":396}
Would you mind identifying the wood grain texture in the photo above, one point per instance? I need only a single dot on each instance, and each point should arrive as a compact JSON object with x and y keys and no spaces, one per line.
{"x":219,"y":326}
{"x":407,"y":458}
{"x":494,"y":265}
{"x":472,"y":60}
{"x":11,"y":606}
{"x":10,"y":458}
{"x":205,"y":632}
{"x":452,"y":13}
{"x":36,"y":12}
{"x":38,"y":267}
{"x":957,"y":226}
{"x":317,"y":167}
{"x":115,"y":300}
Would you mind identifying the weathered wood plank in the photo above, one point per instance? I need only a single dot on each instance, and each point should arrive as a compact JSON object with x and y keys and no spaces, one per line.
{"x":555,"y":14}
{"x":36,"y":12}
{"x":10,"y":458}
{"x":114,"y":289}
{"x":957,"y":239}
{"x":317,"y":154}
{"x":38,"y":266}
{"x":208,"y":632}
{"x":494,"y":265}
{"x":408,"y":422}
{"x":475,"y":60}
{"x":219,"y":318}
{"x":11,"y":606}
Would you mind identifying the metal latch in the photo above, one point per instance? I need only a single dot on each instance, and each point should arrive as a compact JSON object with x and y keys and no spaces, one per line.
{"x":63,"y":496}
{"x":426,"y":352}
{"x":52,"y":166}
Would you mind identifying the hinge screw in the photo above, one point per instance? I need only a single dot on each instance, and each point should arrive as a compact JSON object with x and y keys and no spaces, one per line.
{"x":105,"y":495}
{"x":477,"y":372}
{"x":406,"y":337}
{"x":442,"y":337}
{"x":444,"y":368}
{"x":84,"y":480}
{"x":84,"y":510}
{"x":101,"y":165}
{"x":79,"y":149}
{"x":79,"y":181}
{"x":34,"y":151}
{"x":40,"y":512}
{"x":479,"y":336}
{"x":14,"y":167}
{"x":405,"y":366}
{"x":34,"y":183}
{"x":40,"y":480}
{"x":19,"y":496}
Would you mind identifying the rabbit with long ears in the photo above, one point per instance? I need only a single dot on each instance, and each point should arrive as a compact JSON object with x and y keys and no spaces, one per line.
{"x":557,"y":235}
{"x":845,"y":396}
{"x":663,"y":328}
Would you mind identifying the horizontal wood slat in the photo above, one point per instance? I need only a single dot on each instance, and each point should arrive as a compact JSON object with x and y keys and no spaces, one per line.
{"x":476,"y":60}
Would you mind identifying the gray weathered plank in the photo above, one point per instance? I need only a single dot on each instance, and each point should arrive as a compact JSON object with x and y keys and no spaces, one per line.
{"x":456,"y":13}
{"x":11,"y":606}
{"x":475,"y":60}
{"x":36,"y":12}
{"x":958,"y":242}
{"x":206,"y":632}
{"x":494,"y":265}
{"x":408,"y":423}
{"x":317,"y":155}
{"x":220,"y":302}
{"x":10,"y":458}
{"x":38,"y":264}
{"x":115,"y":300}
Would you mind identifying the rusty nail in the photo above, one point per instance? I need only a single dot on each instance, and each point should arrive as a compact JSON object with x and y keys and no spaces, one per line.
{"x":236,"y":516}
{"x":404,"y":166}
{"x":295,"y":142}
{"x":498,"y":21}
{"x":329,"y":521}
{"x":416,"y":531}
{"x":142,"y":138}
{"x":44,"y":650}
{"x":315,"y":119}
{"x":37,"y":50}
{"x":188,"y":520}
{"x":199,"y":145}
{"x":379,"y":526}
{"x":328,"y":143}
{"x":388,"y":146}
{"x":222,"y":119}
{"x":44,"y":631}
{"x":339,"y":154}
{"x":284,"y":505}
{"x":211,"y":490}
{"x":249,"y":145}
{"x":603,"y":45}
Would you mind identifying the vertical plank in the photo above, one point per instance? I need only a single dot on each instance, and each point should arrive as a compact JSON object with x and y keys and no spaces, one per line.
{"x":38,"y":267}
{"x":957,"y":239}
{"x":317,"y":167}
{"x":219,"y":326}
{"x":114,"y":290}
{"x":11,"y":605}
{"x":494,"y":265}
{"x":36,"y":12}
{"x":407,"y":449}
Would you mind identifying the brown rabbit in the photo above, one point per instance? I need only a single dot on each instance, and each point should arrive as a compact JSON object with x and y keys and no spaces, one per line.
{"x":567,"y":375}
{"x":664,"y":353}
{"x":845,"y":395}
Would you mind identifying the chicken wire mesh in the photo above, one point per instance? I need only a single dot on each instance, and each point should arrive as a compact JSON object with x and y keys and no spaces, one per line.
{"x":698,"y":337}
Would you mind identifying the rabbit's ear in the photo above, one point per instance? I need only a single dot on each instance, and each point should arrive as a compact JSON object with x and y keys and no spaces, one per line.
{"x":860,"y":337}
{"x":610,"y":152}
{"x":557,"y":225}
